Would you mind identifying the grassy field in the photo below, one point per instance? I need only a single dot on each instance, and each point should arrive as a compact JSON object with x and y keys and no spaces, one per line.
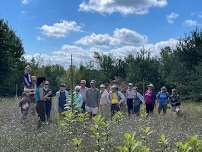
{"x":27,"y":138}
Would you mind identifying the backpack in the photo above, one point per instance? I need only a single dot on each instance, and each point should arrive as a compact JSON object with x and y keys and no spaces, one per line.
{"x":148,"y":97}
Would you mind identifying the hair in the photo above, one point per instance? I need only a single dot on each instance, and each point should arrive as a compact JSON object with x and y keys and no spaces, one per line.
{"x":39,"y":81}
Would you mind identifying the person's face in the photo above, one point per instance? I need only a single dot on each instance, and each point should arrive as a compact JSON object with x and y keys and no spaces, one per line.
{"x":129,"y":87}
{"x":82,"y":84}
{"x":163,"y":90}
{"x":29,"y":70}
{"x":150,"y":88}
{"x":46,"y":85}
{"x":62,"y":88}
{"x":92,"y":85}
{"x":102,"y":89}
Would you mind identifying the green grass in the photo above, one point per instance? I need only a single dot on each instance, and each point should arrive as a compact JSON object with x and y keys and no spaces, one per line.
{"x":26,"y":138}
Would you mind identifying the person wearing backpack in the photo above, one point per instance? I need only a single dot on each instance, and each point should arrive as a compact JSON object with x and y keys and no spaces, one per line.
{"x":149,"y":98}
{"x":62,"y":97}
{"x":162,"y":99}
{"x":116,"y":98}
{"x":138,"y":100}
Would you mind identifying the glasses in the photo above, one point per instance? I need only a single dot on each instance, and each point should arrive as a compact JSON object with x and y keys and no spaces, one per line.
{"x":46,"y":84}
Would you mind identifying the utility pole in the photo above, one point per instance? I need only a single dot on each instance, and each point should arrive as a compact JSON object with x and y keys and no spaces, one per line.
{"x":72,"y":85}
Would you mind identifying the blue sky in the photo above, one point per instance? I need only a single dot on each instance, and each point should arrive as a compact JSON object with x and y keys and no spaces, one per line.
{"x":54,"y":29}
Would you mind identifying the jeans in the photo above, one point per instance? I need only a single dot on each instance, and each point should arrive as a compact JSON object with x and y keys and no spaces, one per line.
{"x":150,"y":108}
{"x":130,"y":106}
{"x":114,"y":108}
{"x":162,"y":107}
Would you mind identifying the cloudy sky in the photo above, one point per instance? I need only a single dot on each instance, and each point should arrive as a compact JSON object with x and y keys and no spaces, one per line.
{"x":54,"y":29}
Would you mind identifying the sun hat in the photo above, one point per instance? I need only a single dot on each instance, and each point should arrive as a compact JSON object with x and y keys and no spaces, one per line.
{"x":150,"y":85}
{"x":130,"y":84}
{"x":163,"y":88}
{"x":92,"y":81}
{"x":102,"y":86}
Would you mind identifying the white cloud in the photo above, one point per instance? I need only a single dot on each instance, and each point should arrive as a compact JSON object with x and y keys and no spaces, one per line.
{"x":62,"y":56}
{"x":139,"y":7}
{"x":97,"y":40}
{"x":156,"y":47}
{"x":172,"y":17}
{"x":60,"y":29}
{"x":190,"y":23}
{"x":25,"y":2}
{"x":119,"y":37}
{"x":129,"y":37}
{"x":83,"y":54}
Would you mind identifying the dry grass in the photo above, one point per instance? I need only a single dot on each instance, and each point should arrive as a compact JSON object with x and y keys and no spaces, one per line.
{"x":26,"y":138}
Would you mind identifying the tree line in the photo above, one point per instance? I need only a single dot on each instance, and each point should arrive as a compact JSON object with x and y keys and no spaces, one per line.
{"x":180,"y":67}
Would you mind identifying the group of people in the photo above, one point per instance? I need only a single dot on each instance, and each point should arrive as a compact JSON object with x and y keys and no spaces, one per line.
{"x":37,"y":95}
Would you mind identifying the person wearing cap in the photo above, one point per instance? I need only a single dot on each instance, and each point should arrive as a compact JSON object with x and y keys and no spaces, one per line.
{"x":116,"y":98}
{"x":138,"y":100}
{"x":48,"y":100}
{"x":149,"y":98}
{"x":40,"y":100}
{"x":78,"y":100}
{"x":104,"y":101}
{"x":83,"y":90}
{"x":62,"y":97}
{"x":92,"y":99}
{"x":130,"y":98}
{"x":162,"y":99}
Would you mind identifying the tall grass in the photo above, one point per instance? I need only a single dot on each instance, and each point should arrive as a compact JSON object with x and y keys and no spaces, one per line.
{"x":27,"y":138}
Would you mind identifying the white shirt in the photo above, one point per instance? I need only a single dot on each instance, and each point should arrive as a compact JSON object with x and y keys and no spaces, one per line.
{"x":104,"y":98}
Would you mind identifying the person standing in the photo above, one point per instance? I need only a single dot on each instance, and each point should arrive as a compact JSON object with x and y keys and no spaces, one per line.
{"x":31,"y":95}
{"x":62,"y":97}
{"x":130,"y":98}
{"x":78,"y":100}
{"x":104,"y":101}
{"x":40,"y":100}
{"x":83,"y":90}
{"x":162,"y":99}
{"x":149,"y":98}
{"x":138,"y":100}
{"x":116,"y":98}
{"x":48,"y":100}
{"x":27,"y":78}
{"x":92,"y":99}
{"x":175,"y":101}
